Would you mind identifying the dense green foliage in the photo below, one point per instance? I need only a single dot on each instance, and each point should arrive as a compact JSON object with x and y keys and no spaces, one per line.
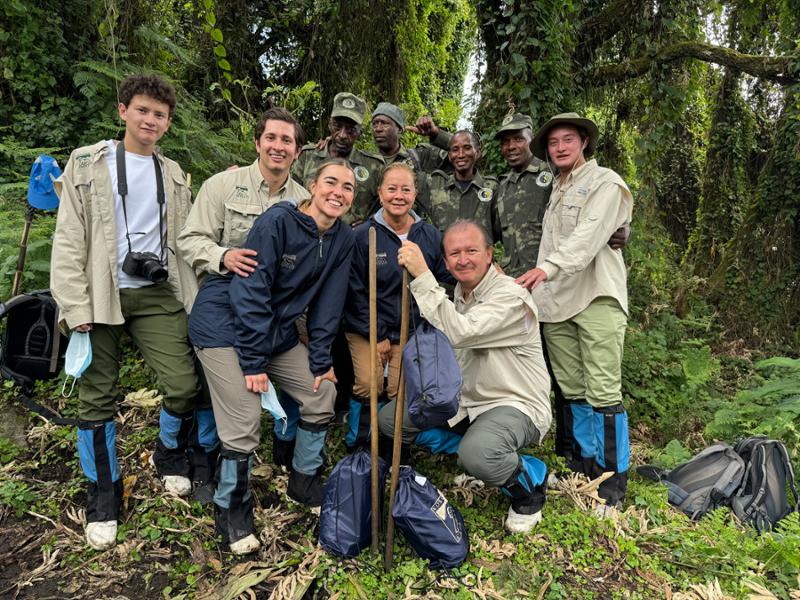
{"x":699,"y":110}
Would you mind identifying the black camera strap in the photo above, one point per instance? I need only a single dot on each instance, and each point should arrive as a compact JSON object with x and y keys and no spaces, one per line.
{"x":122,"y":190}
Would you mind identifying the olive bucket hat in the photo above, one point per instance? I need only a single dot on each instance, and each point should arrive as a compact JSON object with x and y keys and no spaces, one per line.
{"x":539,"y":143}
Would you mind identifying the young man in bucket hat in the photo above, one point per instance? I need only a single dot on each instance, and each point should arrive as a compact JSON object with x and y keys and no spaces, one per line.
{"x":579,"y":286}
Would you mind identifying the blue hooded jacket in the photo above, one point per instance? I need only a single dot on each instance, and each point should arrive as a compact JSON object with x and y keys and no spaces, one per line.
{"x":390,"y":278}
{"x":297,"y":269}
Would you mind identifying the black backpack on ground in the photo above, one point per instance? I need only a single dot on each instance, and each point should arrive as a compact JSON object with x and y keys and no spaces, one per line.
{"x":763,"y":499}
{"x":705,"y":482}
{"x":31,"y":347}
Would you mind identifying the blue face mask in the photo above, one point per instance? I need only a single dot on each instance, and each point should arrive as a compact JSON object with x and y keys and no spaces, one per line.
{"x":269,"y":401}
{"x":77,"y":359}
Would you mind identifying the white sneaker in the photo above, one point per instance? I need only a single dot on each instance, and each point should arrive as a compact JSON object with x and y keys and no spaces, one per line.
{"x":604,"y":511}
{"x":246,"y":545}
{"x":177,"y":484}
{"x":101,"y":535}
{"x":517,"y":523}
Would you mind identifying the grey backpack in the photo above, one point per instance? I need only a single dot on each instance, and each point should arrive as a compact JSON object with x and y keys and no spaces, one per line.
{"x":707,"y":481}
{"x":768,"y":492}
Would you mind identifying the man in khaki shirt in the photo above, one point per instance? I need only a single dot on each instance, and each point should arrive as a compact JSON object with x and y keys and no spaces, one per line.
{"x":579,"y":286}
{"x":223,"y":213}
{"x":493,"y":326}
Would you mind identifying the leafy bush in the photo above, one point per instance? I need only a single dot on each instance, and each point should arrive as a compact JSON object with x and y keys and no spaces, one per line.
{"x":772,"y":408}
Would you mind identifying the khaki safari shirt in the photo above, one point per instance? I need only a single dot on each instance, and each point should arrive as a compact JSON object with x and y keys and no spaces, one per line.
{"x":521,"y":202}
{"x":582,"y":214}
{"x":448,"y":202}
{"x":223,"y":213}
{"x":495,"y":333}
{"x":83,"y":270}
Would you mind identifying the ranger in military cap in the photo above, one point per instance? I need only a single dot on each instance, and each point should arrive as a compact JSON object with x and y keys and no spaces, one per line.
{"x":345,"y":129}
{"x":521,"y":196}
{"x":463,"y":193}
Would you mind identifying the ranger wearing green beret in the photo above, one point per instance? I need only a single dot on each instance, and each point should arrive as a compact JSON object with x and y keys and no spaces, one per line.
{"x":464,"y":193}
{"x":345,"y":129}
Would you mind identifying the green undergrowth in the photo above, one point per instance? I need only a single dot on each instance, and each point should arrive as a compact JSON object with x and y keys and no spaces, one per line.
{"x":169,"y":545}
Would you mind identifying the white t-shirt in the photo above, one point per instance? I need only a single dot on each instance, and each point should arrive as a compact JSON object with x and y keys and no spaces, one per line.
{"x":142,"y":209}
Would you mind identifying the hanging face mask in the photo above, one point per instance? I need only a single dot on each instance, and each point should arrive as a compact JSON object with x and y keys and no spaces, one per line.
{"x":269,"y":401}
{"x":77,"y":359}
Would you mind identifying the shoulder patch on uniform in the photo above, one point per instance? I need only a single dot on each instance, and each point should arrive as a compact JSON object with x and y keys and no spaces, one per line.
{"x":544,"y":179}
{"x":83,"y":160}
{"x":410,"y":163}
{"x":485,"y":194}
{"x":361,"y":173}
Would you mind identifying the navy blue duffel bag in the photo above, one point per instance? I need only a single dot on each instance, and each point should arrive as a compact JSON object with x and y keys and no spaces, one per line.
{"x":345,"y":519}
{"x":433,"y":526}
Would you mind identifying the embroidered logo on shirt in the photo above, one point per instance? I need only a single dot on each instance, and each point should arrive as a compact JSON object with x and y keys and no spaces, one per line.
{"x":485,"y":195}
{"x":241,"y":191}
{"x":361,"y":173}
{"x":287,"y":261}
{"x":582,"y":191}
{"x":544,"y":179}
{"x":380,"y":259}
{"x":84,"y":160}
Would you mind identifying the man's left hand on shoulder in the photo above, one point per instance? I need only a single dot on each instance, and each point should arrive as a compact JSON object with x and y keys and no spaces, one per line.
{"x":532,"y":278}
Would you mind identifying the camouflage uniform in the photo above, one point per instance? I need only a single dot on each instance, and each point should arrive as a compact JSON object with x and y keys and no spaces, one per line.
{"x":367,"y":167}
{"x":448,"y":202}
{"x":521,"y":201}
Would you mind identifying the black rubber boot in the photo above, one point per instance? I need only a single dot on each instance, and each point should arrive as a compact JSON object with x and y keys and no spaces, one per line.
{"x":174,"y":461}
{"x":306,"y":489}
{"x":236,"y":521}
{"x":282,"y":451}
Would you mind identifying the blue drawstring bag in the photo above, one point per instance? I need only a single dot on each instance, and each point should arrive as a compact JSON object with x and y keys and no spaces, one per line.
{"x":345,"y":519}
{"x":428,"y":522}
{"x":433,"y":377}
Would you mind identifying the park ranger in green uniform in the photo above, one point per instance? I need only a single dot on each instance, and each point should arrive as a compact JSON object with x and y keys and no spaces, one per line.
{"x":463,"y":193}
{"x":388,"y":124}
{"x":345,"y":129}
{"x":521,"y":196}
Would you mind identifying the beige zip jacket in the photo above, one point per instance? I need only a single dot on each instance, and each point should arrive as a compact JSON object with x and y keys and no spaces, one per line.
{"x":495,"y":333}
{"x":582,"y":214}
{"x":83,"y":266}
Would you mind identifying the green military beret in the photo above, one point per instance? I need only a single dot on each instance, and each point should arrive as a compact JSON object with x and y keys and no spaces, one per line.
{"x":539,"y":143}
{"x":349,"y":106}
{"x":395,"y":113}
{"x":514,"y":122}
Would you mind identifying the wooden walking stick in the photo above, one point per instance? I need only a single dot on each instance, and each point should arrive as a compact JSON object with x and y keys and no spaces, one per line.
{"x":373,"y":388}
{"x":397,"y":440}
